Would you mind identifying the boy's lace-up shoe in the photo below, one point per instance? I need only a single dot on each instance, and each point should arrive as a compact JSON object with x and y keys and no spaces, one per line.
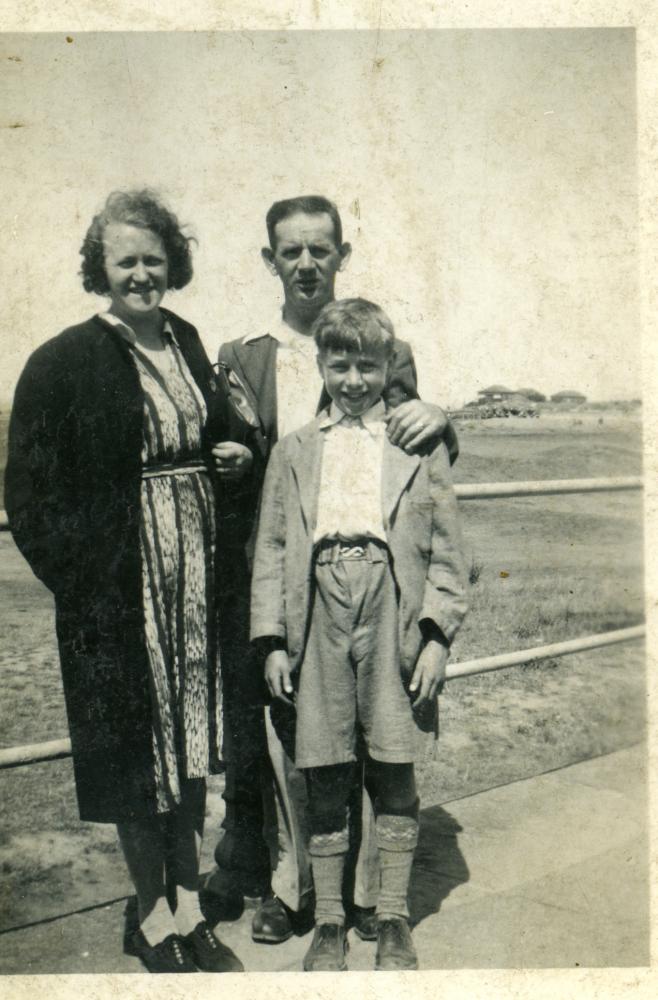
{"x":395,"y":948}
{"x":328,"y":949}
{"x":209,"y":953}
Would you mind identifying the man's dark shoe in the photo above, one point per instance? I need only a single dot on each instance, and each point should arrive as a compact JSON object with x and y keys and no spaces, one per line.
{"x":208,"y":952}
{"x":328,"y":949}
{"x":303,"y":920}
{"x":273,"y":922}
{"x":169,"y":955}
{"x":364,"y":922}
{"x":395,"y":949}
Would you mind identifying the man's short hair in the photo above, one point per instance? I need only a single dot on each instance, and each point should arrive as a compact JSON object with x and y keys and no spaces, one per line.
{"x":356,"y":326}
{"x":312,"y":204}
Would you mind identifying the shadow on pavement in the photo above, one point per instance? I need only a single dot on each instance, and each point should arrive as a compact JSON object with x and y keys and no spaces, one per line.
{"x":439,"y":865}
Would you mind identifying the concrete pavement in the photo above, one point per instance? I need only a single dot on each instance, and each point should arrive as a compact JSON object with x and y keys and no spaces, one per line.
{"x":546,"y":872}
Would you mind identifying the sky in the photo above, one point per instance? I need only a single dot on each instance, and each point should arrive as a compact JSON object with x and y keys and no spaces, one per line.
{"x":486,"y":179}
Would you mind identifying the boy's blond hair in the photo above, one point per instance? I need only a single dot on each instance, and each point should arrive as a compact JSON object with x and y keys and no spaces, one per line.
{"x":356,"y":326}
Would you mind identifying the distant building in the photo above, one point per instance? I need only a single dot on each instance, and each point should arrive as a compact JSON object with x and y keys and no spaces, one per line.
{"x":568,"y":396}
{"x":533,"y":395}
{"x":518,"y":403}
{"x":494,"y":394}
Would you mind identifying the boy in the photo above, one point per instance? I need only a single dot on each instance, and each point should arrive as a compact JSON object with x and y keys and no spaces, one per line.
{"x":358,"y":590}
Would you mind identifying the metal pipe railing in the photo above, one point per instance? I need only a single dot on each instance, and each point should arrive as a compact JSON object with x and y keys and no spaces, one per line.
{"x":528,"y":488}
{"x":57,"y":749}
{"x":546,"y":487}
{"x":34,"y":753}
{"x":485,"y":664}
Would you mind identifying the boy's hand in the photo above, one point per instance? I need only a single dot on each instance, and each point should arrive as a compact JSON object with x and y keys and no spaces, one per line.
{"x":430,"y":673}
{"x":277,"y":675}
{"x":232,"y":460}
{"x":414,"y":423}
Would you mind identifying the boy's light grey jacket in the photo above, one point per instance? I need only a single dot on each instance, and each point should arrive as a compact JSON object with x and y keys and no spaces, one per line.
{"x":422,"y":529}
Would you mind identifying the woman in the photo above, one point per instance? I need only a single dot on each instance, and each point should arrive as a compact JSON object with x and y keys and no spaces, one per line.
{"x":110,"y":499}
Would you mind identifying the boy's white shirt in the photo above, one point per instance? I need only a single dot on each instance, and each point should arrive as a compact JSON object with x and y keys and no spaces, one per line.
{"x":350,"y":486}
{"x":350,"y":497}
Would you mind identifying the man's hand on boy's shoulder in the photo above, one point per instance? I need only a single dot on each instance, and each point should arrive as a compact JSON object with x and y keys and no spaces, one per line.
{"x":277,"y":675}
{"x":414,"y":424}
{"x":430,"y":673}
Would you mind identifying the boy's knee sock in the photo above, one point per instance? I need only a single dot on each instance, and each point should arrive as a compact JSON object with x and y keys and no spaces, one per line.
{"x":397,"y":837}
{"x":328,"y":852}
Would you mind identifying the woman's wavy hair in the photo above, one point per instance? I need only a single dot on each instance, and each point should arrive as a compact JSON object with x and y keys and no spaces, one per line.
{"x":146,"y":210}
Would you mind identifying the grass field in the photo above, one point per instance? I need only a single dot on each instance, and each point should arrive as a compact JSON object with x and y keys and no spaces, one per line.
{"x":542,"y":570}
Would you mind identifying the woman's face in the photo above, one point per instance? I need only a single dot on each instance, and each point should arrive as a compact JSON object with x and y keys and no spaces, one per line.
{"x":136,"y":268}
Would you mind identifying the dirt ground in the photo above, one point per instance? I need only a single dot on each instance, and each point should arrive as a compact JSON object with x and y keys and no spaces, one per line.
{"x":542,"y":569}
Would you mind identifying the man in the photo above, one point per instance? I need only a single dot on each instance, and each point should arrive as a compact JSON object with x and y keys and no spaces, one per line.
{"x":279,"y":374}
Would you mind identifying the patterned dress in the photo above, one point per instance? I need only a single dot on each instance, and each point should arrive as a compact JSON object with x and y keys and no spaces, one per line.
{"x":177,"y":546}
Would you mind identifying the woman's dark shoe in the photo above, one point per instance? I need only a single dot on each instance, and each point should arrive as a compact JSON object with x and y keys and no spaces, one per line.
{"x":130,"y":925}
{"x":169,"y":955}
{"x":364,"y":922}
{"x":208,"y":952}
{"x":328,"y":949}
{"x":395,"y":949}
{"x":272,"y":923}
{"x":131,"y":919}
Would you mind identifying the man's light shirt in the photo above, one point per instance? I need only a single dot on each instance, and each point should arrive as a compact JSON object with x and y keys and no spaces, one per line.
{"x":298,"y":381}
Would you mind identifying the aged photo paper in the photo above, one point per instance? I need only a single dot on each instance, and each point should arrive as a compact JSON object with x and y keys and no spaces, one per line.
{"x":494,"y":165}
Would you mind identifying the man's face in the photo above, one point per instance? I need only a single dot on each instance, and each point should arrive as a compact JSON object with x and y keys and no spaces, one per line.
{"x":306,"y":259}
{"x":354,"y":380}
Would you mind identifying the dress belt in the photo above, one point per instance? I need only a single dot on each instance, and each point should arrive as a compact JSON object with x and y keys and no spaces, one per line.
{"x":173,"y":469}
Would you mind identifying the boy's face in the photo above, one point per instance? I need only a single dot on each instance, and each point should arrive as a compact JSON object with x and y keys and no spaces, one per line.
{"x":355,"y":381}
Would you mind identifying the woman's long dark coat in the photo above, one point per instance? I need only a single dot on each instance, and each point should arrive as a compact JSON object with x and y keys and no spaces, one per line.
{"x":72,"y":493}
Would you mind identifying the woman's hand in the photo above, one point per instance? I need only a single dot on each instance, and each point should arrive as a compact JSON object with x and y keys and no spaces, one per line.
{"x":415,"y":423}
{"x":232,"y":460}
{"x":430,"y":673}
{"x":277,"y":675}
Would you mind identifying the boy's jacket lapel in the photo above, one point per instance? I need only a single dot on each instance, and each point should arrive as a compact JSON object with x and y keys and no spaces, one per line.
{"x":398,"y":468}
